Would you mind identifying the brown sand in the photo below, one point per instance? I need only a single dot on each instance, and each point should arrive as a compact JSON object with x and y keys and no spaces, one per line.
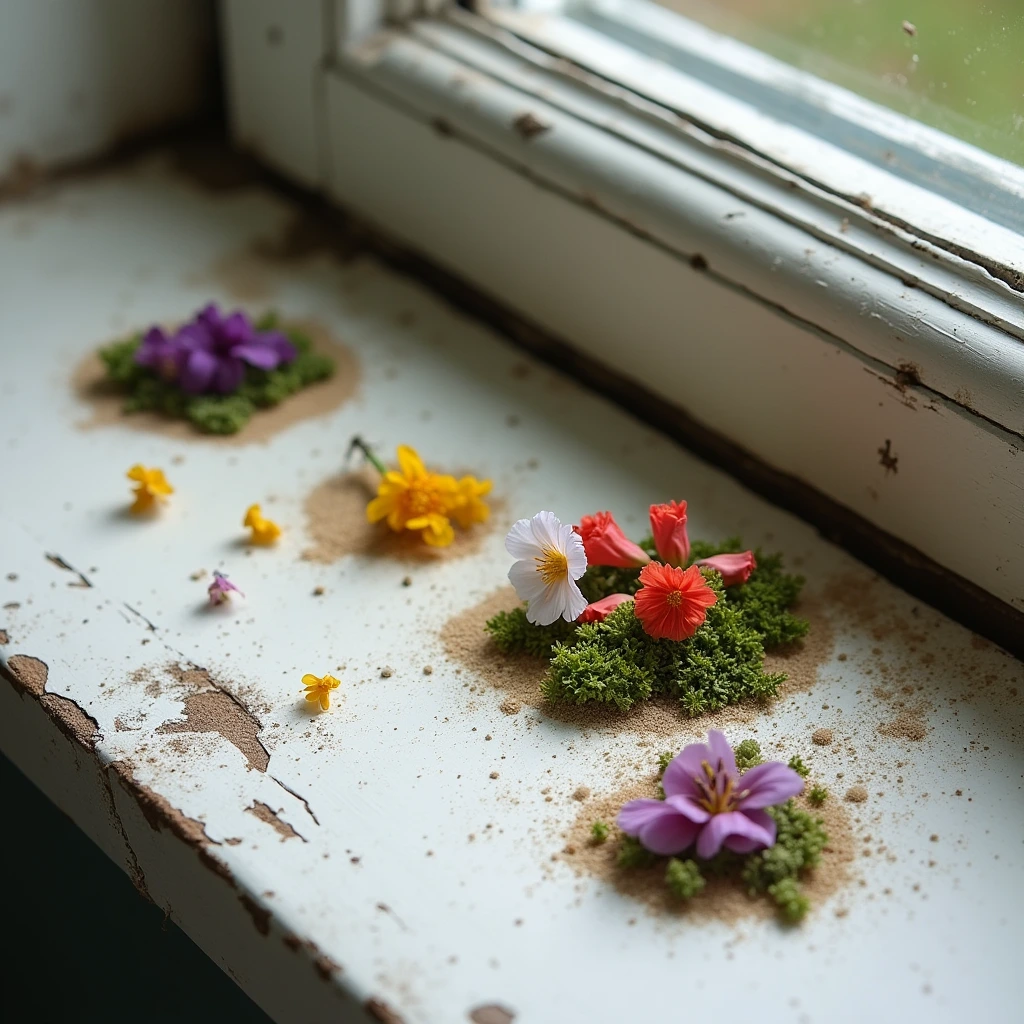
{"x":106,"y":402}
{"x":856,"y":794}
{"x":722,"y":899}
{"x":519,"y":676}
{"x":822,"y":737}
{"x":336,"y":522}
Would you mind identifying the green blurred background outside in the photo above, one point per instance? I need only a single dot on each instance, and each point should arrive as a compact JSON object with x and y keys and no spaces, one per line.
{"x":958,"y":66}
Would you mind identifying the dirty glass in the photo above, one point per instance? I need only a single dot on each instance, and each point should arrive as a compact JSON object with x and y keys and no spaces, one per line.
{"x":957,"y":65}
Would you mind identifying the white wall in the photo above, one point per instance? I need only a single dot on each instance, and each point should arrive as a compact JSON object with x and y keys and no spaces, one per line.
{"x":77,"y":76}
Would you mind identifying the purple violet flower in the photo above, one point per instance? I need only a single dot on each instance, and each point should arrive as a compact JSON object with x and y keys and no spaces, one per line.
{"x":216,"y":349}
{"x":708,"y":801}
{"x":161,"y":353}
{"x":220,"y":589}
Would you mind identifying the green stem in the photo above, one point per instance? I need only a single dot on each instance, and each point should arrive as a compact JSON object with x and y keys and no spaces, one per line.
{"x":358,"y":442}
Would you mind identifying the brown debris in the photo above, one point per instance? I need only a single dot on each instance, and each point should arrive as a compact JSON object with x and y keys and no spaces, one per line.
{"x":380,"y":1011}
{"x":270,"y":817}
{"x":4,"y":637}
{"x":856,"y":794}
{"x":28,"y":675}
{"x":337,"y":526}
{"x":106,"y":402}
{"x":491,"y":1014}
{"x":821,"y":737}
{"x":260,"y":915}
{"x":909,"y":724}
{"x":218,"y":711}
{"x":529,"y":126}
{"x":887,"y":459}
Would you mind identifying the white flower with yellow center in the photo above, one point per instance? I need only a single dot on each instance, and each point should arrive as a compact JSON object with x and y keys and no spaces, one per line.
{"x":550,"y":558}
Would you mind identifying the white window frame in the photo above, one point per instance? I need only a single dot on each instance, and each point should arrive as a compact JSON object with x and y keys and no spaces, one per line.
{"x":684,"y":239}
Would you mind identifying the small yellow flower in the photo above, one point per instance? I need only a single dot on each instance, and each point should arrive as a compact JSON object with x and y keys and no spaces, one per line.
{"x":264,"y":531}
{"x":318,"y":689}
{"x":411,"y":498}
{"x":469,"y":509}
{"x":151,"y":486}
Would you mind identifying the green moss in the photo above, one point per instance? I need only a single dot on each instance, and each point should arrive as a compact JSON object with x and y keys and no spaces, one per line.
{"x":664,"y":759}
{"x":748,"y":754}
{"x":512,"y":633}
{"x":599,"y":831}
{"x":145,"y":391}
{"x":632,"y":854}
{"x":683,"y":878}
{"x":796,"y":762}
{"x":790,"y":900}
{"x":799,"y":840}
{"x":616,"y":662}
{"x":818,"y":795}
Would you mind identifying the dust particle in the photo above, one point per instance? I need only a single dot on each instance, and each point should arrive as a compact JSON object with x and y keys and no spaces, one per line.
{"x":822,"y":737}
{"x":856,"y":794}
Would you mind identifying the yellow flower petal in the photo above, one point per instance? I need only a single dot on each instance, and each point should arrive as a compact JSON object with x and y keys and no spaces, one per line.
{"x":325,"y":699}
{"x":410,"y":463}
{"x":379,"y":508}
{"x":137,"y":472}
{"x":310,"y":680}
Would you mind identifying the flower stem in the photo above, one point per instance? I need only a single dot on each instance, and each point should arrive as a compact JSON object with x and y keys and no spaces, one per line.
{"x":358,"y":442}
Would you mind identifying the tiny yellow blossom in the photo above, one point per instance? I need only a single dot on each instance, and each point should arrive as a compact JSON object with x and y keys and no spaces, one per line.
{"x":411,"y":498}
{"x":151,"y":486}
{"x":318,"y":689}
{"x":468,"y":508}
{"x":264,"y":531}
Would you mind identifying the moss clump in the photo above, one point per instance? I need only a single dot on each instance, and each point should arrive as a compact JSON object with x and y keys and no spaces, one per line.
{"x":683,"y":878}
{"x":774,"y":873}
{"x":599,"y":831}
{"x":818,"y":795}
{"x":796,"y":762}
{"x":615,"y":661}
{"x":748,"y":754}
{"x":146,"y":391}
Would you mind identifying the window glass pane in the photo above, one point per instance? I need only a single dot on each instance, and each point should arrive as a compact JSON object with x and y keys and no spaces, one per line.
{"x":955,"y":64}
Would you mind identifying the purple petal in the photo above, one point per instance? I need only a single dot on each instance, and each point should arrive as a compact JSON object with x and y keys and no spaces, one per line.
{"x":688,"y":808}
{"x":761,"y":820}
{"x":768,"y":784}
{"x":286,"y":351}
{"x":236,"y":329}
{"x":209,"y":316}
{"x":195,"y":335}
{"x":734,"y":829}
{"x":669,"y":834}
{"x":230,"y":374}
{"x":262,"y":356}
{"x":152,"y":347}
{"x":198,"y":371}
{"x":638,"y":813}
{"x":684,"y":768}
{"x":721,"y":751}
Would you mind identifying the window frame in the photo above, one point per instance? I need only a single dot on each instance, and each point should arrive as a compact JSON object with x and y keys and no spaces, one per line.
{"x":917,"y":338}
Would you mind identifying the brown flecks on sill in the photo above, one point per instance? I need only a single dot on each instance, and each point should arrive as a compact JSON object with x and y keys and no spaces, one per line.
{"x":220,"y":712}
{"x":81,"y":580}
{"x":491,"y":1014}
{"x":270,"y":817}
{"x":887,"y":459}
{"x":380,"y":1011}
{"x":260,"y":915}
{"x":529,"y":126}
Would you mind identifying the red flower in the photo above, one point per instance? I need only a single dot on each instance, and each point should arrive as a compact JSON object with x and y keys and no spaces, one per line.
{"x":606,"y":544}
{"x":672,"y":603}
{"x":600,"y":610}
{"x":734,"y":568}
{"x":668,"y":524}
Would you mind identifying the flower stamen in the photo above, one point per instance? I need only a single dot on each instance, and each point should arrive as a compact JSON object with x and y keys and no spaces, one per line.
{"x":552,"y":565}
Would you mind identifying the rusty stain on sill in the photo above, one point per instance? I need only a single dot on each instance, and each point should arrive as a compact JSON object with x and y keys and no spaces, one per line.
{"x":324,"y":965}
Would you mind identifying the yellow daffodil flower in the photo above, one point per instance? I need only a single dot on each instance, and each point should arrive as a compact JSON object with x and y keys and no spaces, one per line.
{"x":151,"y":487}
{"x":264,"y":531}
{"x":318,"y":689}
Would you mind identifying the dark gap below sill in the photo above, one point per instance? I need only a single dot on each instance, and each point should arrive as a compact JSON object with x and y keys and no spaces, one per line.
{"x":212,"y":164}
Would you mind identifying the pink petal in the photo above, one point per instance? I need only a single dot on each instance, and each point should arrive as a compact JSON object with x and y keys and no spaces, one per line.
{"x":721,"y":751}
{"x":733,"y":828}
{"x":768,"y":784}
{"x":638,"y":813}
{"x":684,"y":768}
{"x":262,"y":356}
{"x":688,"y":808}
{"x":751,"y":842}
{"x":669,"y":834}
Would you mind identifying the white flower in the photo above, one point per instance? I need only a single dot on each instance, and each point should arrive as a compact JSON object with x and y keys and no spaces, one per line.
{"x":550,"y":558}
